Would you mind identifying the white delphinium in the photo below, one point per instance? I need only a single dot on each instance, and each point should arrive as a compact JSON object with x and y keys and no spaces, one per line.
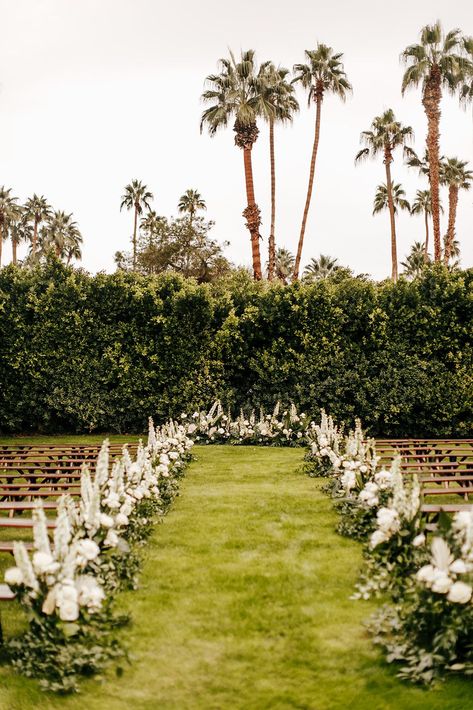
{"x":369,"y":494}
{"x":406,"y":496}
{"x":23,"y":564}
{"x":388,"y":523}
{"x":151,"y":434}
{"x":102,"y":465}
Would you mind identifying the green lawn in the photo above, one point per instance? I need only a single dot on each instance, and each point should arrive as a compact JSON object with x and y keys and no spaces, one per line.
{"x":244,"y":604}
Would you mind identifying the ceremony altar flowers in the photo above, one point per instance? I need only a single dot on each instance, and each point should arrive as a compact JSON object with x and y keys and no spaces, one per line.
{"x":286,"y":427}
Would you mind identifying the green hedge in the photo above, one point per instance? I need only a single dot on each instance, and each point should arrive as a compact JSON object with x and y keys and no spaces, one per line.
{"x":82,"y":353}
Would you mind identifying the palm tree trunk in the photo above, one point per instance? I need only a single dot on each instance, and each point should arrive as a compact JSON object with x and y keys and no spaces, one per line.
{"x":135,"y":225}
{"x":392,"y":220}
{"x":1,"y":240}
{"x":431,"y":101}
{"x":426,"y":249}
{"x":252,"y":214}
{"x":14,"y":246}
{"x":272,"y":238}
{"x":35,"y":237}
{"x":452,"y":215}
{"x":318,"y":103}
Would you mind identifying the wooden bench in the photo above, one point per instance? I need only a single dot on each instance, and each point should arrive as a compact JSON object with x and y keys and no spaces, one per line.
{"x":23,"y":523}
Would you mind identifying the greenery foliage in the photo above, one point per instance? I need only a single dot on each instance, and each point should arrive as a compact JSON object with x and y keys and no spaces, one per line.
{"x":83,"y":353}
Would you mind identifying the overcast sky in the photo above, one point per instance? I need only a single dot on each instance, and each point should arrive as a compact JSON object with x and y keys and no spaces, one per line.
{"x":94,"y":93}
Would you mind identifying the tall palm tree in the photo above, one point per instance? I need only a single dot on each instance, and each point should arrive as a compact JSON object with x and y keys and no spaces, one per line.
{"x":37,"y":210}
{"x":277,"y":104}
{"x":284,"y":264}
{"x":415,"y":260}
{"x":320,"y":268}
{"x":381,"y":199}
{"x":190,"y":202}
{"x":61,"y":235}
{"x":454,"y":174}
{"x":385,"y":136}
{"x":440,"y":60}
{"x":8,"y":211}
{"x":233,"y":95}
{"x":423,"y":205}
{"x":136,"y":197}
{"x":323,"y":73}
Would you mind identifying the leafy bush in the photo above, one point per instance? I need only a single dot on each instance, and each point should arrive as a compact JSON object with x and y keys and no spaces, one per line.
{"x":83,"y":353}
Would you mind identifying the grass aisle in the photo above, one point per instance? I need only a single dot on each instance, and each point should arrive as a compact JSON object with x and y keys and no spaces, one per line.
{"x":244,"y":604}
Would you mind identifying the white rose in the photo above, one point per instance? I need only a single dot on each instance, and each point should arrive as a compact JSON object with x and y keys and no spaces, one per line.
{"x":419,"y":540}
{"x":173,"y":455}
{"x":191,"y":428}
{"x":69,"y":611}
{"x":459,"y":593}
{"x":14,"y":576}
{"x":426,"y":574}
{"x":458,"y":567}
{"x":388,"y":519}
{"x":88,"y":549}
{"x":463,"y":520}
{"x":164,"y":459}
{"x":377,"y":538}
{"x":90,"y":593}
{"x":44,"y":563}
{"x":363,"y":468}
{"x":441,"y":583}
{"x":121,"y":519}
{"x":112,"y":539}
{"x":106,"y":521}
{"x":348,"y":480}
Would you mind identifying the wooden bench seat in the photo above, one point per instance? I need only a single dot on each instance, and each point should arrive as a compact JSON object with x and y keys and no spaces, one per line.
{"x":446,"y":507}
{"x":12,"y":505}
{"x":8,"y":546}
{"x":23,"y":523}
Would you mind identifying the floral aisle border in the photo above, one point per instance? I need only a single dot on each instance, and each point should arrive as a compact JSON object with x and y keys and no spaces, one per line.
{"x":425,"y":576}
{"x":67,"y":588}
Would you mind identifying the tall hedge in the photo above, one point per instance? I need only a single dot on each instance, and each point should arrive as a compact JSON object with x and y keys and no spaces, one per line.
{"x":83,"y":353}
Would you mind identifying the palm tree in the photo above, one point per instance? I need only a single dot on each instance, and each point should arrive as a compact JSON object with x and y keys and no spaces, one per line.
{"x":277,"y":104}
{"x":381,"y":199}
{"x":190,"y":202}
{"x":8,"y":211}
{"x":20,"y":230}
{"x":37,"y":210}
{"x":415,"y":261}
{"x":233,"y":95}
{"x":453,"y":173}
{"x":439,"y":61}
{"x":320,"y":268}
{"x":385,"y":136}
{"x":136,"y":197}
{"x":323,"y":73}
{"x":61,"y":235}
{"x":284,"y":264}
{"x":151,"y":224}
{"x":423,"y":205}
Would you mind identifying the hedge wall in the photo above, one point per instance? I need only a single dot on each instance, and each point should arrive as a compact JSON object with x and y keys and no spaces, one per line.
{"x":82,"y":353}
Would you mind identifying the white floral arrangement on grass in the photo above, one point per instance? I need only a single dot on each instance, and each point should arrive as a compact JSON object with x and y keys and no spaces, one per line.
{"x":216,"y":426}
{"x":325,"y":441}
{"x":428,"y":629}
{"x":67,"y":585}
